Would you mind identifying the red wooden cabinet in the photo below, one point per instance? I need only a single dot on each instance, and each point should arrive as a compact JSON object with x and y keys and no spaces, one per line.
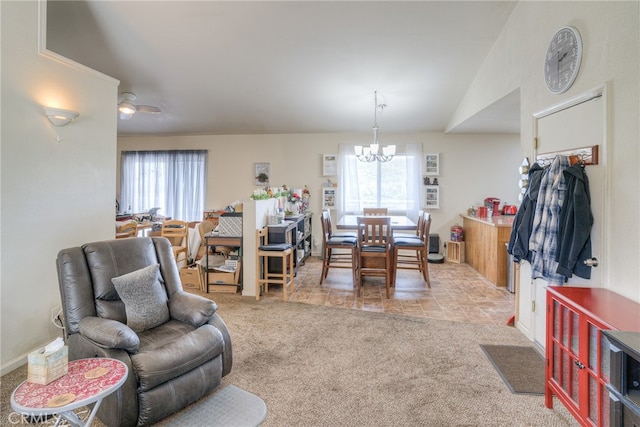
{"x":577,"y":365}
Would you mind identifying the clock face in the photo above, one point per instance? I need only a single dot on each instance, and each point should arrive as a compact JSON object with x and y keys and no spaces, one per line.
{"x":562,"y":61}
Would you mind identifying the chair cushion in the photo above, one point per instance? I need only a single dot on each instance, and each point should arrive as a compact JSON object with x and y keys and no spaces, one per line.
{"x":341,"y":235}
{"x":408,"y":241}
{"x":278,"y":247}
{"x":176,"y":357}
{"x":145,"y":299}
{"x":339,"y":240}
{"x":376,"y":249}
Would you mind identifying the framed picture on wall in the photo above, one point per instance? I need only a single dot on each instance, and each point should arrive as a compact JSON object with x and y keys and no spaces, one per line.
{"x":432,"y":164}
{"x":328,"y":198}
{"x":261,"y":174}
{"x":329,"y":165}
{"x":432,"y":196}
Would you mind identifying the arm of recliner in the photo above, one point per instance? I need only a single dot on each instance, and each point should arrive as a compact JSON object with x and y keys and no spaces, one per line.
{"x":109,"y":333}
{"x":190,"y":308}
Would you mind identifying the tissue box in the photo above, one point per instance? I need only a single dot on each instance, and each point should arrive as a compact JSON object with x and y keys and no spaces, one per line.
{"x":46,"y":367}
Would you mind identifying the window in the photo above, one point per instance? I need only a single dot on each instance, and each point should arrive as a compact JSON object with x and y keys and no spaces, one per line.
{"x":173,"y":181}
{"x":394,"y":185}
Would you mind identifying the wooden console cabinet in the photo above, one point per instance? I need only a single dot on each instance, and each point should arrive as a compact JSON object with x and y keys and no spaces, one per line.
{"x":485,"y":248}
{"x":577,"y":360}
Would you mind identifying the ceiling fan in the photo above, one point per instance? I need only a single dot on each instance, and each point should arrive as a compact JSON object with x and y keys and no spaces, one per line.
{"x":127,"y":108}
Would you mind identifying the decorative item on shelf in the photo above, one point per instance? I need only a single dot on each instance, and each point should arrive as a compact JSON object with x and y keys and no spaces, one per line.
{"x":294,"y":200}
{"x":426,"y":180}
{"x":372,"y":152}
{"x":306,"y":196}
{"x":268,"y":193}
{"x":457,"y":233}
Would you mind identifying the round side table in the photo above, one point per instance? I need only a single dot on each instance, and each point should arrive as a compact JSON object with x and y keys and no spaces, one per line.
{"x":88,"y":381}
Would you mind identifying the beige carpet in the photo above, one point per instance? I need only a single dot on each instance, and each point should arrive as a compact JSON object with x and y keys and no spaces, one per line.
{"x":321,"y":366}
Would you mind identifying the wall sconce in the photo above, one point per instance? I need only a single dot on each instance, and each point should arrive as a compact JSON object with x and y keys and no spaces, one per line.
{"x":59,"y":116}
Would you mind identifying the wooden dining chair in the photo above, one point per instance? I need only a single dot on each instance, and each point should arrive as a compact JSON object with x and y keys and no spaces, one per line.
{"x":375,"y":244}
{"x":408,"y":233}
{"x":204,"y":228}
{"x":338,"y":251}
{"x":130,"y":229}
{"x":178,"y":234}
{"x":411,"y":252}
{"x":375,"y":211}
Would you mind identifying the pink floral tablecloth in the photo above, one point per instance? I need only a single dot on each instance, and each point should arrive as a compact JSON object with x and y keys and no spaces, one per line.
{"x":36,"y":396}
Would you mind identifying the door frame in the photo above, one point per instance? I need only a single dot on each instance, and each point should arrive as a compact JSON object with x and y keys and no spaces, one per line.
{"x":538,"y":315}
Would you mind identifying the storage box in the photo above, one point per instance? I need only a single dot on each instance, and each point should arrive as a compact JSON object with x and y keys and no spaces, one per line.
{"x":220,"y":281}
{"x":455,"y":252}
{"x":222,"y":277}
{"x":230,"y":225}
{"x":46,"y":367}
{"x":190,"y":278}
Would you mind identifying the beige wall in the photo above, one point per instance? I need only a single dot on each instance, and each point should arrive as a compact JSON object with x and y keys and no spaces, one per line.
{"x":59,"y":195}
{"x":611,"y":34}
{"x":471,"y":166}
{"x":54,"y":194}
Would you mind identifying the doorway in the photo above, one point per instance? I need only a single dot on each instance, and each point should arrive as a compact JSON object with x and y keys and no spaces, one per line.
{"x":578,"y":122}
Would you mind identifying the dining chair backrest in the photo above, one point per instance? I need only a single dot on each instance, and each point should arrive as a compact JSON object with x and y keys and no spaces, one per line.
{"x":176,"y":231}
{"x":326,"y":224}
{"x":130,"y":229}
{"x":204,"y":228}
{"x":374,"y":230}
{"x":375,"y":211}
{"x":426,"y":226}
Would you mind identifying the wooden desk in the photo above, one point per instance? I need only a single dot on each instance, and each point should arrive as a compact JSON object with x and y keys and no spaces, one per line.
{"x":485,"y":249}
{"x":398,"y":222}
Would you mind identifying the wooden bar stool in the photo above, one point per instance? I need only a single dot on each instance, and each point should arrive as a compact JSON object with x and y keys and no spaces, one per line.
{"x":265,"y":251}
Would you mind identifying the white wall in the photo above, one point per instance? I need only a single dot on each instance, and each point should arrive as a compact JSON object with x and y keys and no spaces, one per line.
{"x":611,"y":34}
{"x":54,"y":195}
{"x":472,"y":167}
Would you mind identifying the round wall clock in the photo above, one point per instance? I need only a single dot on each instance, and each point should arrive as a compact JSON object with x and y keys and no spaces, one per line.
{"x":562,"y":62}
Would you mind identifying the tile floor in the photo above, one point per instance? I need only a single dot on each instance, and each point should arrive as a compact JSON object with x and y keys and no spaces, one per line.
{"x":457,"y":293}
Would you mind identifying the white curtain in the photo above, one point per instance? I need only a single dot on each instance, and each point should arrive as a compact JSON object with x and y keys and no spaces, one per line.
{"x":349,"y":197}
{"x":347,"y":181}
{"x":174,"y":181}
{"x":414,"y":179}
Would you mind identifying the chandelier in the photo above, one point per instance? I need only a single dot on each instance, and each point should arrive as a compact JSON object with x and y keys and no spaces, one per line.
{"x":372,"y":152}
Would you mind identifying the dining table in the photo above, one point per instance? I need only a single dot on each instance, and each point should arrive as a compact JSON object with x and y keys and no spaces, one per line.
{"x":398,"y":222}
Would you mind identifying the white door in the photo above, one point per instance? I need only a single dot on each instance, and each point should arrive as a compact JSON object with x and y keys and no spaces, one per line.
{"x":580,"y":125}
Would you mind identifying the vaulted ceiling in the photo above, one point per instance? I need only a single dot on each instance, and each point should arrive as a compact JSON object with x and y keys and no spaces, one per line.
{"x":269,"y":67}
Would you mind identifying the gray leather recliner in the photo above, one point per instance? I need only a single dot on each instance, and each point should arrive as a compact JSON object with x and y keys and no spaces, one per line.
{"x":171,"y":365}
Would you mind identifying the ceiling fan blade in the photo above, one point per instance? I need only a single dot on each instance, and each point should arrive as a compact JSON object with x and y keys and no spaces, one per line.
{"x":147,"y":109}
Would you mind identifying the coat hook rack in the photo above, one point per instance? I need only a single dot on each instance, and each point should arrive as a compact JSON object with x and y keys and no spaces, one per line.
{"x":584,"y":155}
